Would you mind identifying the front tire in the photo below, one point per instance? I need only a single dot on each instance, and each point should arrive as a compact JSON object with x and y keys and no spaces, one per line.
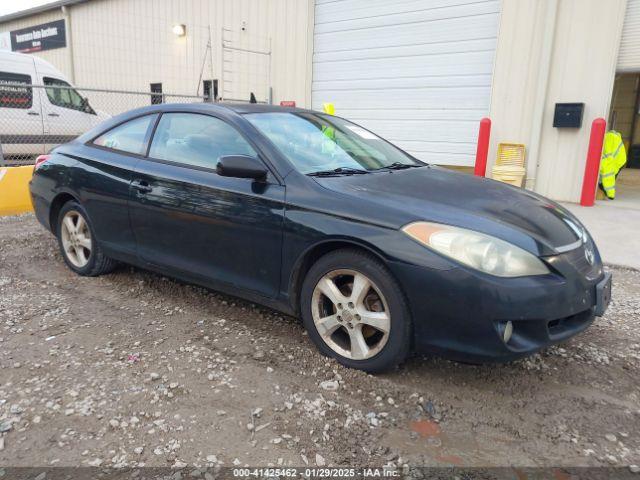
{"x":80,"y":250}
{"x":355,"y":311}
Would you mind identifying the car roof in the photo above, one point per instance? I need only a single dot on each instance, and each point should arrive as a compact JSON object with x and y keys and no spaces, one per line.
{"x":259,"y":108}
{"x":239,"y":108}
{"x":198,"y":107}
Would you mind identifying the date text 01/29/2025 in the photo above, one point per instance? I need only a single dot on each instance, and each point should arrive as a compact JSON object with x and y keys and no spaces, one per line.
{"x":319,"y":472}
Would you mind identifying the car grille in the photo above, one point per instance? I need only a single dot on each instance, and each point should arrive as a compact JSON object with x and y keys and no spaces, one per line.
{"x":578,"y":260}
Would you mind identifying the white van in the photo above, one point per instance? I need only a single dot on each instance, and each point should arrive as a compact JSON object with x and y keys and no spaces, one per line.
{"x":33,"y":120}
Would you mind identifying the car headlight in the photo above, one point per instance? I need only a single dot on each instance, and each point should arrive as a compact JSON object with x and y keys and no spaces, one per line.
{"x":477,"y":250}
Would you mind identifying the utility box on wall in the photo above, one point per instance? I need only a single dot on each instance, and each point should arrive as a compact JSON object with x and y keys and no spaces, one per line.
{"x":568,"y":115}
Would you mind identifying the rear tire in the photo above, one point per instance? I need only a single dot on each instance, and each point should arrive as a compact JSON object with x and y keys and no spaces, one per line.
{"x":355,"y":311}
{"x":77,"y":241}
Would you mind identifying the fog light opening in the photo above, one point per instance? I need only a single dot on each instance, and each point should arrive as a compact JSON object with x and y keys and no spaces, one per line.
{"x":507,"y":331}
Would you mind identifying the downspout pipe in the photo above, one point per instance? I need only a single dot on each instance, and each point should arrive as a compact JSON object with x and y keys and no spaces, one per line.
{"x":66,"y":12}
{"x":550,"y":19}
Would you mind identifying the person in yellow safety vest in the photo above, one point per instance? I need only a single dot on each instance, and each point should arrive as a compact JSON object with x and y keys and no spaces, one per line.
{"x":613,"y":159}
{"x":329,"y":108}
{"x":329,"y":132}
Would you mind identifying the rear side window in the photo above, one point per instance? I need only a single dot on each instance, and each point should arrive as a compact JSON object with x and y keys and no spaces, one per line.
{"x":15,"y":91}
{"x":130,"y":137}
{"x":196,"y":140}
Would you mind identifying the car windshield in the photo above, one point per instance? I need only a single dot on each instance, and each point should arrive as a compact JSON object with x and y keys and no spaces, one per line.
{"x":316,"y":142}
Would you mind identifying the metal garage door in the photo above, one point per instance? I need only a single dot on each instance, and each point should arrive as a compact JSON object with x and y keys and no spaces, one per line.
{"x":418,"y":73}
{"x":629,"y":55}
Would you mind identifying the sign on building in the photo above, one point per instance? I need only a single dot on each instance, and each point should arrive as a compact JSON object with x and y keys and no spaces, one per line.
{"x":46,"y":36}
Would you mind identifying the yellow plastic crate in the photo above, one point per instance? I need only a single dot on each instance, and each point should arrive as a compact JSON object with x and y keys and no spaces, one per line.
{"x":511,"y":174}
{"x":511,"y":154}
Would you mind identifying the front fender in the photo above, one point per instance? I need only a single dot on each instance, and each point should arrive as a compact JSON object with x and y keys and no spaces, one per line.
{"x":309,"y":234}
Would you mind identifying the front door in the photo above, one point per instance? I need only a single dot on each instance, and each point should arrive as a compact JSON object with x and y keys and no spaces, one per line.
{"x":66,"y":114}
{"x":187,"y":218}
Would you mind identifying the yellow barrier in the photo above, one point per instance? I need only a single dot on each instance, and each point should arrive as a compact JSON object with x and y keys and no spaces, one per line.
{"x":14,"y":190}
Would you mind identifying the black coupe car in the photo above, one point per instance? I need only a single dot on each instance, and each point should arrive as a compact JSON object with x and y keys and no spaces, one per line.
{"x":379,"y":253}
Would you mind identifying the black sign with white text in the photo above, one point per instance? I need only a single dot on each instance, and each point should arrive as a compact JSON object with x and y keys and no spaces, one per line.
{"x":39,"y":37}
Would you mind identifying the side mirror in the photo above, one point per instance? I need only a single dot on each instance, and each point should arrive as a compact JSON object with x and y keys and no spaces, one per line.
{"x":85,"y":105}
{"x":241,"y":166}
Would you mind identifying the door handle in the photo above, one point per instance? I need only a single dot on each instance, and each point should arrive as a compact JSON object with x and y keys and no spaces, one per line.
{"x":141,"y":186}
{"x":33,"y":113}
{"x":54,"y":114}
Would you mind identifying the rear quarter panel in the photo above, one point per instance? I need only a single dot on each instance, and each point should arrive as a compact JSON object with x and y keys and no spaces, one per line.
{"x":50,"y":180}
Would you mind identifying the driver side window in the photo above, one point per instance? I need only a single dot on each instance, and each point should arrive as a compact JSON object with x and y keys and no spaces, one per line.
{"x":196,"y":140}
{"x":61,"y":94}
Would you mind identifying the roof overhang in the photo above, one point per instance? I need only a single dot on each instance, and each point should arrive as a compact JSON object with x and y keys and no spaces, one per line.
{"x":39,"y":9}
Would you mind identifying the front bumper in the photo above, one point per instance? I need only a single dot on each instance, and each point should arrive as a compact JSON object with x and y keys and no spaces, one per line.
{"x":461,"y":314}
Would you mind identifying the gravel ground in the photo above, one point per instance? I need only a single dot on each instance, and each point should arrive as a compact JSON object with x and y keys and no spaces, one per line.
{"x":134,"y":369}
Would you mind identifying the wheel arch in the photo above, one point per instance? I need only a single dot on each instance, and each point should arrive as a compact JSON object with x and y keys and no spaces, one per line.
{"x":313,"y":253}
{"x":56,"y":205}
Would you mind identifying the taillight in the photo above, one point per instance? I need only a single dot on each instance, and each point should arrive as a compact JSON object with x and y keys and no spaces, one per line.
{"x":40,"y":160}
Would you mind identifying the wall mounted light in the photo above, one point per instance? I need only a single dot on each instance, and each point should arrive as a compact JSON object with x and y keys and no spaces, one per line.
{"x":179,"y":30}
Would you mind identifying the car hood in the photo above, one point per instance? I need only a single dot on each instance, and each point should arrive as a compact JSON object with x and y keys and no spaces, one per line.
{"x":435,"y":194}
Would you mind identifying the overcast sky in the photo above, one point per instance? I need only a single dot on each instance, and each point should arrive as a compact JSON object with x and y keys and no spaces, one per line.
{"x":10,"y":7}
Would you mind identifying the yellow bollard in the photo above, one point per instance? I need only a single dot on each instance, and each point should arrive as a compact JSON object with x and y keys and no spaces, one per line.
{"x":14,"y":190}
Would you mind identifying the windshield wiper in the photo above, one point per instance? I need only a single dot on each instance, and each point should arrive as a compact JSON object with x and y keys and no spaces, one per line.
{"x":338,"y":171}
{"x":399,"y":166}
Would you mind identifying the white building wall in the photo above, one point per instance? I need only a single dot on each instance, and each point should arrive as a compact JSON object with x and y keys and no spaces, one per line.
{"x":128,"y":44}
{"x":58,"y":57}
{"x":552,"y":52}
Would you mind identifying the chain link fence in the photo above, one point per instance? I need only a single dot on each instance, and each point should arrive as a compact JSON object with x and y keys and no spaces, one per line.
{"x":36,"y":118}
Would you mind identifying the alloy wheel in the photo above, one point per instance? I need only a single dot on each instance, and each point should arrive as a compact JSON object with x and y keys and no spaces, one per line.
{"x":76,"y":238}
{"x":351,"y":314}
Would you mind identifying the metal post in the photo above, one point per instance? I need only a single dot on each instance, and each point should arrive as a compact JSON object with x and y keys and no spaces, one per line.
{"x":221,"y":87}
{"x":634,"y":119}
{"x":482,"y":151}
{"x":66,"y":11}
{"x":211,"y":93}
{"x":269,"y":67}
{"x":592,"y":166}
{"x":2,"y":161}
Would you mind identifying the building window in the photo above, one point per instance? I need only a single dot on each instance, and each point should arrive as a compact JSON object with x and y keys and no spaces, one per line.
{"x":210,"y":94}
{"x":156,"y":91}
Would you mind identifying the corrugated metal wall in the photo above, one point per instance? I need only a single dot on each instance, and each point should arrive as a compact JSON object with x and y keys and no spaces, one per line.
{"x":629,"y":54}
{"x":418,"y":73}
{"x":128,"y":44}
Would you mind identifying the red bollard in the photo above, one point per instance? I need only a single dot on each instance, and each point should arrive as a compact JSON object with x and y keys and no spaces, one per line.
{"x":482,"y":151}
{"x":592,"y":166}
